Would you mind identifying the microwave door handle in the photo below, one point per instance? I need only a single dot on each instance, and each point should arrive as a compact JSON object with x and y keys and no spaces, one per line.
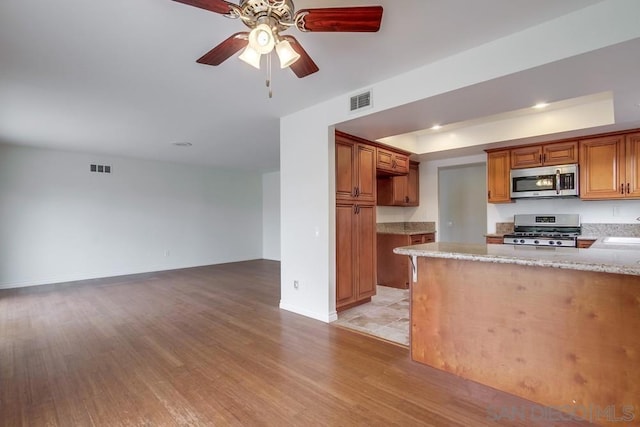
{"x":557,"y":181}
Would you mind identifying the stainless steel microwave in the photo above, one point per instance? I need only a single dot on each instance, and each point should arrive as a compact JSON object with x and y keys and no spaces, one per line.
{"x":545,"y":181}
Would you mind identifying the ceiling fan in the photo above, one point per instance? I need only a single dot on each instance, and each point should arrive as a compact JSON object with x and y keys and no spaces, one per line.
{"x":268,"y":18}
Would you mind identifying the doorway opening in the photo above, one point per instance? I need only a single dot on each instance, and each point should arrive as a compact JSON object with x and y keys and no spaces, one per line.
{"x":462,"y":203}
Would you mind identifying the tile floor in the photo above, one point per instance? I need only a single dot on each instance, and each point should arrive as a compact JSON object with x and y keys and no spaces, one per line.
{"x":386,"y":316}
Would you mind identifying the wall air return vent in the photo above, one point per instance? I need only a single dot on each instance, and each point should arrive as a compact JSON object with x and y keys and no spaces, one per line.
{"x":100,"y":168}
{"x":361,"y":101}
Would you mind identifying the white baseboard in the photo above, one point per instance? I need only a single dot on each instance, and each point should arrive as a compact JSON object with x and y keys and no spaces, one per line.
{"x":323,"y":317}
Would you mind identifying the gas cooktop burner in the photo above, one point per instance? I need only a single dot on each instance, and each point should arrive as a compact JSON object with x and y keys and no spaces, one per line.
{"x":545,"y":230}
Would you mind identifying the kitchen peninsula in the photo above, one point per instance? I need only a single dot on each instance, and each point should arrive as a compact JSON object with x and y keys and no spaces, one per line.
{"x":557,"y":326}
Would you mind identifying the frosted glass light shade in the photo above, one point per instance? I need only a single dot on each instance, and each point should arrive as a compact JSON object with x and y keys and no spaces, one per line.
{"x":261,"y":39}
{"x":251,"y":57}
{"x":286,"y":54}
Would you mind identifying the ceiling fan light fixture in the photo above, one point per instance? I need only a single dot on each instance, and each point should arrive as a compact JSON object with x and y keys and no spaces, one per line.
{"x":251,"y":57}
{"x":261,"y":39}
{"x":286,"y":54}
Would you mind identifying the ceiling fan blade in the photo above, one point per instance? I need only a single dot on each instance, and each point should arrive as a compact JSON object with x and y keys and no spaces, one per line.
{"x":224,"y":50}
{"x":305,"y":65}
{"x":347,"y":19}
{"x":217,"y":6}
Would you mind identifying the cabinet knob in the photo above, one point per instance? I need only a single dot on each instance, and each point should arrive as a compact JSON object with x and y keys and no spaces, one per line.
{"x":628,"y":188}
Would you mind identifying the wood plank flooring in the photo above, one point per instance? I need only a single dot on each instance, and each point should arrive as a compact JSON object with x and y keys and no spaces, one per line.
{"x":209,"y":346}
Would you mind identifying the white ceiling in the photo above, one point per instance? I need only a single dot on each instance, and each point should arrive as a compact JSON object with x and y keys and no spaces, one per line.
{"x":119,"y":77}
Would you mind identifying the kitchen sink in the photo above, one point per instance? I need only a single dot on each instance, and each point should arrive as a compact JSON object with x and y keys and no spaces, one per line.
{"x":621,"y":240}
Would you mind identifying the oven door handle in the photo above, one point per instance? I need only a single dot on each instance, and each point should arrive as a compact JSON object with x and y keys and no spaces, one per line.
{"x":557,"y":181}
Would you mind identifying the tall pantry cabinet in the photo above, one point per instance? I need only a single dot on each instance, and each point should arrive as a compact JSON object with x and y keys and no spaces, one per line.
{"x":355,"y":221}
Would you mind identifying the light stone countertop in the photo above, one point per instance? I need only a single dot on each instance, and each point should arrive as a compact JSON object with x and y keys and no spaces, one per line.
{"x":406,"y":228}
{"x":619,"y":261}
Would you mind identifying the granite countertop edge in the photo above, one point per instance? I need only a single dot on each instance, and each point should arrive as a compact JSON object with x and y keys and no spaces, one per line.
{"x":628,"y":267}
{"x":406,"y":232}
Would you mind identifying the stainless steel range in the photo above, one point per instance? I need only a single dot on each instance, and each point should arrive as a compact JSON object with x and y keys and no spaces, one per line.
{"x":545,"y":230}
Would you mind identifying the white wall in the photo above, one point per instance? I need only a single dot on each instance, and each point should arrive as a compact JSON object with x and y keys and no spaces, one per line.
{"x":308,"y":210}
{"x":59,"y":222}
{"x":271,"y":216}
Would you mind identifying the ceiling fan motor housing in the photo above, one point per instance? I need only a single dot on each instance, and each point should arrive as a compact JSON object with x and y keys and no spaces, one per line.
{"x":273,"y":11}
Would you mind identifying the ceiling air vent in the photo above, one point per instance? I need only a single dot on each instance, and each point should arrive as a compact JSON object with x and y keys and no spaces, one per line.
{"x":361,"y":101}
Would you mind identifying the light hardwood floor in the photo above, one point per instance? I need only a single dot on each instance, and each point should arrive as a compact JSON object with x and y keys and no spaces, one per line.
{"x":209,"y":346}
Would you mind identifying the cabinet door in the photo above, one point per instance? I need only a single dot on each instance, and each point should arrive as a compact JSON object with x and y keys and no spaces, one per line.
{"x":413,"y":185}
{"x":400,"y":163}
{"x":366,"y":251}
{"x":345,"y":169}
{"x":602,"y":168}
{"x":366,"y":173}
{"x":393,"y":270}
{"x":346,"y":250}
{"x":560,"y":154}
{"x":526,"y":157}
{"x":400,"y":188}
{"x":632,"y":166}
{"x":498,"y":188}
{"x":394,"y":163}
{"x":384,"y":159}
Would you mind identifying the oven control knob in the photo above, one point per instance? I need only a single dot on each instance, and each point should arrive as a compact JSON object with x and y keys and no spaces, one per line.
{"x":536,"y":242}
{"x":558,"y":242}
{"x":515,"y":240}
{"x":551,"y":242}
{"x":521,"y":240}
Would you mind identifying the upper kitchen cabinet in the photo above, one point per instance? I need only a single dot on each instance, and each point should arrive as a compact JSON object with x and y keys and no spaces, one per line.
{"x":401,"y":190}
{"x":391,"y":162}
{"x":610,"y":167}
{"x":355,"y":169}
{"x":498,"y":176}
{"x":558,"y":153}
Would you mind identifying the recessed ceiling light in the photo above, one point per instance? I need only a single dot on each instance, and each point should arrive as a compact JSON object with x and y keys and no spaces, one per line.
{"x":436,"y":127}
{"x":540,"y":105}
{"x":182,"y":144}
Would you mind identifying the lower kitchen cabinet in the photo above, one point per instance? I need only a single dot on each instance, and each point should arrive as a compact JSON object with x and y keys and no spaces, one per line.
{"x":355,"y":254}
{"x":585,"y":243}
{"x":395,"y":270}
{"x":495,"y":240}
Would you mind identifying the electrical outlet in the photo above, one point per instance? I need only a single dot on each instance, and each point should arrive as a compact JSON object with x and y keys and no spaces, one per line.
{"x":296,"y":284}
{"x":167,"y":253}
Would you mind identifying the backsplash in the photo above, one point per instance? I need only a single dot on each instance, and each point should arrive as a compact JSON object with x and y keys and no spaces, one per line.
{"x":504,"y":227}
{"x":387,"y":227}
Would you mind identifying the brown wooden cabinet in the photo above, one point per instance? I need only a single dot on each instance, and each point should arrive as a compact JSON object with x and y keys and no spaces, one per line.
{"x":558,"y":153}
{"x":395,"y":270}
{"x":355,"y":254}
{"x":494,"y":240}
{"x":355,"y":170}
{"x":610,"y":167}
{"x":401,"y":190}
{"x":355,"y":221}
{"x":391,"y":162}
{"x":585,"y":243}
{"x":498,"y":176}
